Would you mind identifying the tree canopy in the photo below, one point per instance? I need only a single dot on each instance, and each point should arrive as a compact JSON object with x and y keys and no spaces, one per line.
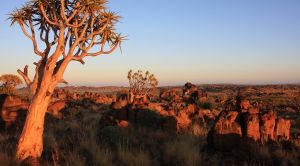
{"x":9,"y":83}
{"x":69,"y":30}
{"x":140,"y":83}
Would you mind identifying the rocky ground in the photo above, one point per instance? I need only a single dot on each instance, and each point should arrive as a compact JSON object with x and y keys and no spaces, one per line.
{"x":188,"y":125}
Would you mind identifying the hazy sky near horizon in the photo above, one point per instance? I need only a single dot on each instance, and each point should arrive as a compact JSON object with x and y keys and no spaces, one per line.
{"x":201,"y":41}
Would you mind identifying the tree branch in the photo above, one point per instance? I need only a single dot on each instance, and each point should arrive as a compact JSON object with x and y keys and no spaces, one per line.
{"x":104,"y":52}
{"x":45,"y":15}
{"x":24,"y":74}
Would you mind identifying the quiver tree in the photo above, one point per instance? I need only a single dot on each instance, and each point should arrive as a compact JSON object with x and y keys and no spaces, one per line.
{"x":61,"y":31}
{"x":140,"y":84}
{"x":9,"y":83}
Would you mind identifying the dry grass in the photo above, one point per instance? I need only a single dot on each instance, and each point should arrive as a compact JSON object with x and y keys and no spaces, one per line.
{"x":78,"y":140}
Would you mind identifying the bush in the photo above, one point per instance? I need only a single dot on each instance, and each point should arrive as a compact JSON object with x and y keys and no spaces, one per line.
{"x":9,"y":83}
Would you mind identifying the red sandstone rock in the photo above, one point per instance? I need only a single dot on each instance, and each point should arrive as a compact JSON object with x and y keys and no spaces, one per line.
{"x":183,"y":121}
{"x":253,"y":110}
{"x":191,"y":93}
{"x":155,"y":107}
{"x":55,"y":108}
{"x":121,"y":102}
{"x":170,"y":95}
{"x":208,"y":114}
{"x":267,"y":127}
{"x":252,"y":126}
{"x":123,"y":124}
{"x":11,"y":107}
{"x":226,"y":133}
{"x":282,"y":129}
{"x":226,"y":124}
{"x":245,"y":104}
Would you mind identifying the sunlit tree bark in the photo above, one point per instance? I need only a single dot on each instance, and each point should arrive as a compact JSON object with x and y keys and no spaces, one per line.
{"x":69,"y":30}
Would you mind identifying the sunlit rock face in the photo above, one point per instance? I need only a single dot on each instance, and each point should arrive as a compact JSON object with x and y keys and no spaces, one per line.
{"x":169,"y":95}
{"x":249,"y":124}
{"x":56,"y":107}
{"x":282,"y":129}
{"x":12,"y":109}
{"x":171,"y":111}
{"x":252,"y":126}
{"x":226,"y":133}
{"x":192,"y":94}
{"x":267,"y":127}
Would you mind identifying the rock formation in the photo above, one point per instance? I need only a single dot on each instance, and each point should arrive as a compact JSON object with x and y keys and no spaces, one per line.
{"x":267,"y":127}
{"x":282,"y":129}
{"x":252,"y":130}
{"x":12,"y":107}
{"x":226,"y":133}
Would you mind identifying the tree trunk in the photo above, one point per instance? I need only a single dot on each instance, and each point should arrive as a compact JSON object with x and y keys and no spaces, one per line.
{"x":31,"y":140}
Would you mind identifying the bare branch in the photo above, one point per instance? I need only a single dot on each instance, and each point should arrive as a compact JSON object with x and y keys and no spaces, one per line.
{"x":24,"y":74}
{"x":41,"y":7}
{"x":35,"y":46}
{"x":24,"y":30}
{"x":62,"y":81}
{"x":104,"y":52}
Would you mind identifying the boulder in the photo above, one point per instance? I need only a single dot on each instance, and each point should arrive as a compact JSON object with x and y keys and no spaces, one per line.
{"x":252,"y":126}
{"x":245,"y":104}
{"x":282,"y":129}
{"x":191,"y":93}
{"x":56,"y":107}
{"x":121,"y":102}
{"x":12,"y":109}
{"x":267,"y":127}
{"x":226,"y":134}
{"x":183,"y":121}
{"x":226,"y":124}
{"x":170,"y":95}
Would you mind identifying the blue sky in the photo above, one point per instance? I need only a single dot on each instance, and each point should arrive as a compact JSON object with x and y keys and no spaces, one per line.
{"x":202,"y":41}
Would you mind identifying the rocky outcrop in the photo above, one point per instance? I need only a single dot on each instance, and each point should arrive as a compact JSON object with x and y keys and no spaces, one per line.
{"x":252,"y":130}
{"x":267,"y":127}
{"x":282,"y":129}
{"x":190,"y":93}
{"x":169,"y":95}
{"x":121,"y":102}
{"x":172,"y":113}
{"x":226,"y":124}
{"x":244,"y":105}
{"x":12,"y":109}
{"x":251,"y":125}
{"x":61,"y":94}
{"x":226,"y":133}
{"x":56,"y":107}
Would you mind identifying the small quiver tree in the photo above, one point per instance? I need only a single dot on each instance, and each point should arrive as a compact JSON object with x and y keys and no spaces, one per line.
{"x":9,"y":83}
{"x":61,"y":31}
{"x":140,"y":84}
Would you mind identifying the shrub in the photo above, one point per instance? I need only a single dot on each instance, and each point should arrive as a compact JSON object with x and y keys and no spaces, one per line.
{"x":9,"y":83}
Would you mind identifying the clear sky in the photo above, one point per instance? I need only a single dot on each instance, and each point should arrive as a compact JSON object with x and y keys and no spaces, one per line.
{"x":201,"y":41}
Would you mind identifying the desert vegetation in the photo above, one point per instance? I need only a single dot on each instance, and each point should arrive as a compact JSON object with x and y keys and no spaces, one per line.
{"x":9,"y":82}
{"x":173,"y":128}
{"x":68,"y":30}
{"x":141,"y":124}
